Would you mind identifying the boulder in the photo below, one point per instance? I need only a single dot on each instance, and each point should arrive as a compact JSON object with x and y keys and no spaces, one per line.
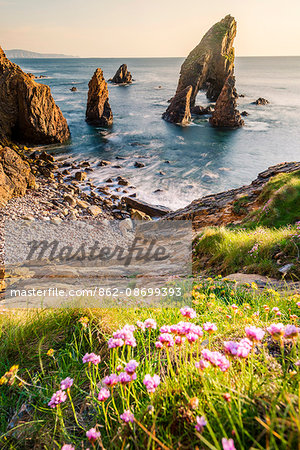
{"x":209,"y":64}
{"x":225,"y":114}
{"x":98,"y":111}
{"x":179,"y":109}
{"x":149,"y":210}
{"x":28,"y":112}
{"x":73,"y":89}
{"x":15,"y":175}
{"x":122,"y":76}
{"x":80,"y":176}
{"x":261,"y":101}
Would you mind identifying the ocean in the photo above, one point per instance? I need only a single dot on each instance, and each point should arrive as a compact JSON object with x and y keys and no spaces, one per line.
{"x":201,"y":159}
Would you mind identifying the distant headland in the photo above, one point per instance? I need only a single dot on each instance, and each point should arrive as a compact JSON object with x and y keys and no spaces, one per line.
{"x":18,"y":53}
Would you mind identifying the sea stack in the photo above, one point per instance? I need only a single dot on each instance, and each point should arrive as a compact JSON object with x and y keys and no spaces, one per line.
{"x":98,"y":111}
{"x":179,"y":110}
{"x":28,"y":112}
{"x":209,"y":64}
{"x":122,"y":76}
{"x":225,"y":114}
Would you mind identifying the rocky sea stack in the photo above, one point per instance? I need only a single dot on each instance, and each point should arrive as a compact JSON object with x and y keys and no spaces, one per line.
{"x":207,"y":66}
{"x":225,"y":114}
{"x":98,"y":111}
{"x":179,"y":110}
{"x":28,"y":112}
{"x":122,"y":76}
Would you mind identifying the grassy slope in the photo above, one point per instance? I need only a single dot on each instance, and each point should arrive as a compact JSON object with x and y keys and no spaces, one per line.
{"x":263,"y":410}
{"x":267,"y":239}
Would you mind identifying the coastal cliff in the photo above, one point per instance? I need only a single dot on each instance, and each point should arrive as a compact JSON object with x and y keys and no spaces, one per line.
{"x":230,"y":207}
{"x":98,"y":111}
{"x":28,"y":112}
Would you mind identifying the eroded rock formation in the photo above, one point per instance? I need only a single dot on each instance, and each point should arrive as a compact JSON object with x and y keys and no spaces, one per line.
{"x":122,"y":76}
{"x":220,"y":209}
{"x":15,"y":175}
{"x":179,"y":109}
{"x":226,"y":114}
{"x":98,"y":111}
{"x":209,"y":64}
{"x":28,"y":112}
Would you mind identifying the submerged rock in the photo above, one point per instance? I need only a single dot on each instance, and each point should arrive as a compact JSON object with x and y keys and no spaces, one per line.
{"x":98,"y":111}
{"x":73,"y":89}
{"x":179,"y":109}
{"x":122,"y":76}
{"x":15,"y":175}
{"x":209,"y":64}
{"x":225,"y":113}
{"x":261,"y":101}
{"x":28,"y":112}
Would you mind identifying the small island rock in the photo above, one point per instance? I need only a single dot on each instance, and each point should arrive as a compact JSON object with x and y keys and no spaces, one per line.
{"x":122,"y":76}
{"x":98,"y":111}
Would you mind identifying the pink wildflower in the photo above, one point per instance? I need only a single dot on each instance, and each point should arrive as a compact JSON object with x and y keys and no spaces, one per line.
{"x":93,"y":435}
{"x":103,"y":395}
{"x":150,"y":323}
{"x":192,"y":337}
{"x":66,"y":383}
{"x":111,"y":380}
{"x":188,"y":312}
{"x":57,"y":398}
{"x":131,"y":366}
{"x":165,"y":329}
{"x":114,"y":343}
{"x":228,"y":444}
{"x":216,"y":359}
{"x":91,"y":358}
{"x":291,"y":331}
{"x":127,"y":416}
{"x":179,"y":340}
{"x":276,"y":330}
{"x":67,"y":447}
{"x":124,"y":378}
{"x":151,"y":383}
{"x":141,"y":325}
{"x":202,"y":364}
{"x":201,"y":423}
{"x":167,"y":339}
{"x":210,"y":327}
{"x":244,"y":348}
{"x":158,"y":345}
{"x":254,"y":333}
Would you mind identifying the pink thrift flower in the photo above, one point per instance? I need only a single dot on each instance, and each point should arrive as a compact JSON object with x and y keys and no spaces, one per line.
{"x":216,"y":359}
{"x":91,"y":358}
{"x":201,"y":423}
{"x":68,"y":447}
{"x":254,"y":333}
{"x":150,"y":323}
{"x":93,"y":435}
{"x":57,"y":398}
{"x":165,"y":329}
{"x":231,"y":347}
{"x":210,"y":327}
{"x":141,"y":325}
{"x":151,"y":383}
{"x":276,"y":330}
{"x":167,"y":339}
{"x":158,"y":345}
{"x":276,"y":309}
{"x":114,"y":343}
{"x":124,"y":378}
{"x":291,"y":331}
{"x":131,"y":366}
{"x":188,"y":312}
{"x":119,"y":368}
{"x":111,"y":380}
{"x":192,"y":337}
{"x":127,"y":416}
{"x":179,"y":340}
{"x":298,"y":304}
{"x":202,"y":364}
{"x":103,"y":395}
{"x":228,"y":444}
{"x":244,"y":348}
{"x":66,"y":383}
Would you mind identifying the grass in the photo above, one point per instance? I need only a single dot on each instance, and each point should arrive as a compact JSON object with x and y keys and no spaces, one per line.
{"x":260,"y":409}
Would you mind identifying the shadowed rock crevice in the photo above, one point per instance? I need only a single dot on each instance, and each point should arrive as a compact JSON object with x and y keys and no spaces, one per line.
{"x":179,"y":110}
{"x":98,"y":111}
{"x":28,"y":112}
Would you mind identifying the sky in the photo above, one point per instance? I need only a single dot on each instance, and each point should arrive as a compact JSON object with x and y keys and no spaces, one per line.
{"x":146,"y":28}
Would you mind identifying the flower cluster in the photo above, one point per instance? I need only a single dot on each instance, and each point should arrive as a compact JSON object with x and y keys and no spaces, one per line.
{"x":91,"y":358}
{"x":188,"y":312}
{"x":216,"y":359}
{"x":240,"y":349}
{"x":57,"y":398}
{"x":151,"y":383}
{"x":124,"y":336}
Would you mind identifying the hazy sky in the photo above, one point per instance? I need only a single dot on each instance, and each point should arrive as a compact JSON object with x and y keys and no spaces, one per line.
{"x":146,"y":27}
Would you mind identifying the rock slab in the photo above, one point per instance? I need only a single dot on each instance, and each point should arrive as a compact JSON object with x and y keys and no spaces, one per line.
{"x":179,"y":111}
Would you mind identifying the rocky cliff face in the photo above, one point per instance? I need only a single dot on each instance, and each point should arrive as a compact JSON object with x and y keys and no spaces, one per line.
{"x":179,"y":110}
{"x":28,"y":112}
{"x":209,"y":64}
{"x":122,"y":76}
{"x":15,"y":175}
{"x":225,"y":113}
{"x":222,"y":209}
{"x":98,"y":111}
